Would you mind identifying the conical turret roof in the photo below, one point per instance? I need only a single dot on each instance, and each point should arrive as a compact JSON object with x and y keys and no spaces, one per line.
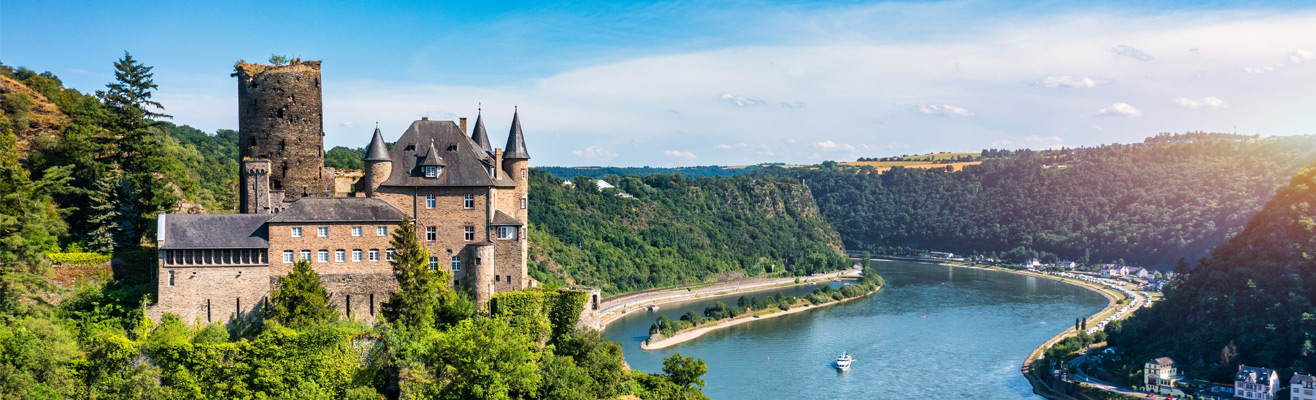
{"x":480,"y":136}
{"x":376,"y":151}
{"x":515,"y":148}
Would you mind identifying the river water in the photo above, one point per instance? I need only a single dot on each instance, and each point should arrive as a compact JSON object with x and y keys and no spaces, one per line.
{"x":932,"y":332}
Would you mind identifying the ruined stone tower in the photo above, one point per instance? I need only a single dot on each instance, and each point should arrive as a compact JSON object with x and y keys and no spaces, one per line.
{"x":280,"y":119}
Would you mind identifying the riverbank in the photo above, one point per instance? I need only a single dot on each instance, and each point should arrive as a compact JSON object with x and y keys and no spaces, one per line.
{"x":696,"y":332}
{"x":613,"y":308}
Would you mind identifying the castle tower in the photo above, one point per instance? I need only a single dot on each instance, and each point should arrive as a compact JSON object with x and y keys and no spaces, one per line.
{"x":255,"y":186}
{"x":280,"y":120}
{"x":516,"y":163}
{"x":378,"y":164}
{"x":480,"y":136}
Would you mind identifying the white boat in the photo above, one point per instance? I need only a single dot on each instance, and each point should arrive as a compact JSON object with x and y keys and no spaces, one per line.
{"x":652,"y":308}
{"x":843,"y":362}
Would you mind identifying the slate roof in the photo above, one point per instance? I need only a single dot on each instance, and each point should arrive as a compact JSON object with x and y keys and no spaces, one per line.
{"x":432,"y":158}
{"x":339,"y":209}
{"x":376,"y":151}
{"x":1163,"y":361}
{"x":480,"y":136}
{"x":1300,"y":379}
{"x":463,"y":165}
{"x":515,"y":148}
{"x":215,"y":231}
{"x":502,"y":218}
{"x":1254,"y":375}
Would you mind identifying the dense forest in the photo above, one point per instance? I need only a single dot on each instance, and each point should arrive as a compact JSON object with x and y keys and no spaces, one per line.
{"x":90,"y":172}
{"x":1249,"y":303}
{"x":674,"y":230}
{"x":1150,"y":204}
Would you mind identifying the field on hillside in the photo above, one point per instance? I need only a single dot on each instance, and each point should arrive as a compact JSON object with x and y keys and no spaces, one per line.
{"x":924,"y":161}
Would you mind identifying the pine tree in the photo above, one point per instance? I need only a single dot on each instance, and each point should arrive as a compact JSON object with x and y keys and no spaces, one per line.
{"x":104,"y":215}
{"x":301,"y":300}
{"x":140,"y":154}
{"x":126,"y":236}
{"x":417,"y":298}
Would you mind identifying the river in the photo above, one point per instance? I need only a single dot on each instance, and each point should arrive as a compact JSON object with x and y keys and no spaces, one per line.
{"x":933,"y":332}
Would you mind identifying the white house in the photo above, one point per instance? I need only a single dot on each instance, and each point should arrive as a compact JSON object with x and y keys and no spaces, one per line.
{"x":1302,"y":387}
{"x":1031,"y":263}
{"x":604,"y":185}
{"x":1160,"y":376}
{"x":1255,"y":383}
{"x":1113,"y":271}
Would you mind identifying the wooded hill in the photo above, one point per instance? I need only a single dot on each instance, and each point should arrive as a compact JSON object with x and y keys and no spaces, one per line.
{"x":1147,"y":204}
{"x":1249,"y":303}
{"x":675,"y":230}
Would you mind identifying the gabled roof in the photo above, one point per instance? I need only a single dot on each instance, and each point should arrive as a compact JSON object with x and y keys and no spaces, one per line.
{"x":432,"y":158}
{"x":1299,"y":379}
{"x":339,"y":209}
{"x":215,"y":231}
{"x":480,"y":136}
{"x":515,"y":149}
{"x":502,"y":218}
{"x":463,"y":164}
{"x":1254,"y":375}
{"x":1163,"y":361}
{"x":376,"y":151}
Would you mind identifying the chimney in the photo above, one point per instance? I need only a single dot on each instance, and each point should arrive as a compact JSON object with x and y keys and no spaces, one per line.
{"x":463,"y":124}
{"x":424,"y":118}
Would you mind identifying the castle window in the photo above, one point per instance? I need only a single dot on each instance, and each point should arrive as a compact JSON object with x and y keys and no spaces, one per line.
{"x":498,"y":278}
{"x":410,"y":147}
{"x":430,"y":202}
{"x":171,"y":278}
{"x":431,"y":233}
{"x":507,"y":233}
{"x":296,"y":231}
{"x":523,"y":174}
{"x":381,"y":231}
{"x":388,"y":255}
{"x":509,"y":279}
{"x":523,"y":232}
{"x":470,"y":233}
{"x":324,"y":256}
{"x":468,"y":201}
{"x":452,"y":147}
{"x":456,"y":264}
{"x":287,"y":256}
{"x":356,"y":255}
{"x":434,"y":263}
{"x":374,"y":255}
{"x":322,"y":231}
{"x":306,"y":255}
{"x":340,"y":255}
{"x":356,"y":231}
{"x":523,"y":201}
{"x":431,"y":172}
{"x":477,"y":261}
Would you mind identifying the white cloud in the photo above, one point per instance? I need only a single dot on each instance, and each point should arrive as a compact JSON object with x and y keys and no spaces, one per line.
{"x":348,"y":124}
{"x":1297,"y":57}
{"x":944,"y":109}
{"x":833,"y":146}
{"x":595,"y":153}
{"x":1098,"y":127}
{"x":796,"y":104}
{"x":1124,"y":50}
{"x":1119,"y":110}
{"x":725,"y":146}
{"x":679,"y":154}
{"x":1205,"y":102}
{"x":1068,"y":82}
{"x":741,"y":100}
{"x":1044,"y":142}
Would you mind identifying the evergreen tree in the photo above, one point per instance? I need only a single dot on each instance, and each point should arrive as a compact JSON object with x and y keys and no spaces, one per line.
{"x":104,"y":215}
{"x":126,"y":236}
{"x":415,"y":303}
{"x":30,"y":223}
{"x":300,"y":299}
{"x":140,"y":154}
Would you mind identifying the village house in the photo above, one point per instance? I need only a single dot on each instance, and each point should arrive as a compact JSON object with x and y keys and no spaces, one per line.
{"x":1114,"y":271}
{"x":1255,"y":383}
{"x":1302,"y":387}
{"x":1161,"y":375}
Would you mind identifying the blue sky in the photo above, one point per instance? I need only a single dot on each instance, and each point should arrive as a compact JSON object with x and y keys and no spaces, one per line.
{"x":696,"y":83}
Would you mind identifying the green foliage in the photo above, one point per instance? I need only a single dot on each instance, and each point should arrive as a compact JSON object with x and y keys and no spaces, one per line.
{"x":36,"y":356}
{"x":484,"y":358}
{"x":417,"y":298}
{"x":544,"y":314}
{"x":1249,"y":303}
{"x":345,"y":158}
{"x":79,"y":259}
{"x":209,"y":160}
{"x":279,"y":59}
{"x":675,"y":231}
{"x":1149,"y":204}
{"x":685,"y":371}
{"x":300,"y":299}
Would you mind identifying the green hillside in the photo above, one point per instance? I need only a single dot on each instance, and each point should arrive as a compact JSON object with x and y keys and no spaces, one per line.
{"x":1151,"y":203}
{"x":1249,"y":303}
{"x":675,"y":230}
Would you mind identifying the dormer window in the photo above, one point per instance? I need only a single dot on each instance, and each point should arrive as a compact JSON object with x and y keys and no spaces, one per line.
{"x":431,"y":171}
{"x":452,"y":147}
{"x":410,"y":147}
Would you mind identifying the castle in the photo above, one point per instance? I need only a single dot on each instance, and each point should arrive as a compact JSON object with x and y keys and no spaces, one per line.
{"x":467,"y":198}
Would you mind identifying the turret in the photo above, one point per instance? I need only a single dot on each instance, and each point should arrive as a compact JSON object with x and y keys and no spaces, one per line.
{"x":480,"y":136}
{"x":378,"y":164}
{"x":515,"y":158}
